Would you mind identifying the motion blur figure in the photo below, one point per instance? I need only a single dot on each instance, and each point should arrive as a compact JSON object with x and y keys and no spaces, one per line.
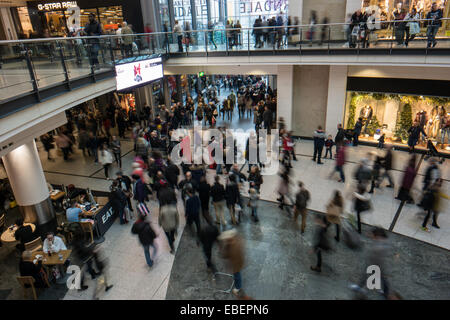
{"x":377,"y":254}
{"x":208,"y":236}
{"x":232,"y":248}
{"x":321,"y":242}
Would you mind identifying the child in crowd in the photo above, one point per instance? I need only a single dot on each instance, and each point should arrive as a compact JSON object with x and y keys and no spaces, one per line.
{"x":253,"y":203}
{"x":381,"y":141}
{"x":328,"y":145}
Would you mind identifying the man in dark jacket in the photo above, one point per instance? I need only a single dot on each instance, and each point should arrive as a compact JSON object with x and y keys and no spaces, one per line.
{"x":319,"y":142}
{"x":192,"y":209}
{"x":387,"y":165}
{"x":172,"y":173}
{"x":166,"y":195}
{"x":267,"y":118}
{"x":118,"y":201}
{"x":23,"y":234}
{"x":435,"y":15}
{"x":146,"y":236}
{"x":208,"y":236}
{"x":339,"y":139}
{"x":357,"y":131}
{"x":93,"y":29}
{"x":204,"y":191}
{"x":218,"y":200}
{"x":125,"y":184}
{"x":140,"y":190}
{"x":186,"y":184}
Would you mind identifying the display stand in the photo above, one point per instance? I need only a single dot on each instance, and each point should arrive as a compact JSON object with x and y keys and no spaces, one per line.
{"x":227,"y":275}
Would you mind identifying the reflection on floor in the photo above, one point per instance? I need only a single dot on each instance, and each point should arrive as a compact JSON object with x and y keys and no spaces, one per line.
{"x":278,"y":260}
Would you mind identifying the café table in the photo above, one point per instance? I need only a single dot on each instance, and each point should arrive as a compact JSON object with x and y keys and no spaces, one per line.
{"x":57,"y":196}
{"x":8,"y":235}
{"x":55,"y":260}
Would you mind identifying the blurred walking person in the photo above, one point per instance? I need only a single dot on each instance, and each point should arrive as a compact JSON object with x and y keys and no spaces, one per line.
{"x":321,"y":242}
{"x":232,"y":248}
{"x":335,"y":209}
{"x":301,"y":201}
{"x":361,"y":203}
{"x":169,"y":221}
{"x":146,"y":236}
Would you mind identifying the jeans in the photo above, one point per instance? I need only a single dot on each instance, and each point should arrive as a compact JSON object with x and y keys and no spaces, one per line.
{"x":147,"y":253}
{"x":170,"y":237}
{"x":340,"y":169}
{"x":196,"y":220}
{"x":95,"y":153}
{"x":318,"y":153}
{"x":427,"y":217}
{"x":387,"y":174}
{"x":431,"y":35}
{"x":180,"y":43}
{"x":443,"y":132}
{"x":95,"y":48}
{"x":118,"y":159}
{"x":255,"y":212}
{"x":326,"y":153}
{"x":219,"y":169}
{"x":106,"y":168}
{"x":237,"y":280}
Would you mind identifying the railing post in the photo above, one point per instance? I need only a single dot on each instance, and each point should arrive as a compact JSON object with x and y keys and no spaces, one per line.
{"x":63,"y":63}
{"x":329,"y":39}
{"x":206,"y":42}
{"x":301,"y":39}
{"x":32,"y":73}
{"x":111,"y":51}
{"x":248,"y":41}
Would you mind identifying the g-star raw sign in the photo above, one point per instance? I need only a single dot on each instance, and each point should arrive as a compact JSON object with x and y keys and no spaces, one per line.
{"x":56,"y":5}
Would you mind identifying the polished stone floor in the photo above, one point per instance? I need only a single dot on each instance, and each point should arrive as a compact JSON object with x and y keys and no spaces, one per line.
{"x":423,"y":256}
{"x":278,"y":260}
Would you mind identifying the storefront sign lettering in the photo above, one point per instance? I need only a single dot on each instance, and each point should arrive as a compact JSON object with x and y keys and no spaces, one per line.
{"x":56,"y":5}
{"x":180,"y":10}
{"x":268,"y":6}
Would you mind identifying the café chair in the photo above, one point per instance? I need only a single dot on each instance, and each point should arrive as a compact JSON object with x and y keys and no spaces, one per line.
{"x":27,"y":282}
{"x":34,"y":245}
{"x":87,"y":228}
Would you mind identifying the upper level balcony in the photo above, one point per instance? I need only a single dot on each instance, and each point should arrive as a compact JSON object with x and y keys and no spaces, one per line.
{"x":37,"y":69}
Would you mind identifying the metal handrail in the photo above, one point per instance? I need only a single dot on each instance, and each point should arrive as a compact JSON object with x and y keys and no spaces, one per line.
{"x":112,"y":36}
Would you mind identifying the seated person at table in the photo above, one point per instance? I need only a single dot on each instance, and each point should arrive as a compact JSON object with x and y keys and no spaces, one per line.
{"x":73,"y":213}
{"x":28,"y":267}
{"x":53,"y":243}
{"x":74,"y":193}
{"x":23,"y":234}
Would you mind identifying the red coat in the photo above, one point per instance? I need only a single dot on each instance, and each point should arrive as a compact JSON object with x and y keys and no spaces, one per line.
{"x":285,"y":144}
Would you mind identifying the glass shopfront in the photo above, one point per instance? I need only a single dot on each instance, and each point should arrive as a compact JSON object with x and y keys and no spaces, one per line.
{"x":393,"y":115}
{"x":55,"y":19}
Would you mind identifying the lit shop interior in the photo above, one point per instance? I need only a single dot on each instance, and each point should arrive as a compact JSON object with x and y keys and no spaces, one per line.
{"x":394,"y":114}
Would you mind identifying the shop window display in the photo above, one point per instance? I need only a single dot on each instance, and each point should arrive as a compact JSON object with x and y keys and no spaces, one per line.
{"x":393,"y":115}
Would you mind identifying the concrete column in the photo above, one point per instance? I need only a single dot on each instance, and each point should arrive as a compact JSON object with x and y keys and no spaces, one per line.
{"x":285,"y":77}
{"x":28,"y":183}
{"x":295,"y":9}
{"x":337,"y":90}
{"x":352,"y":6}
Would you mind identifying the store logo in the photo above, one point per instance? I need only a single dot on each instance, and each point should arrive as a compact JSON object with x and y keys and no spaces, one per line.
{"x":263,"y":148}
{"x":374,"y":280}
{"x":74,"y":280}
{"x":106,"y":216}
{"x":56,"y":5}
{"x":137,"y":73}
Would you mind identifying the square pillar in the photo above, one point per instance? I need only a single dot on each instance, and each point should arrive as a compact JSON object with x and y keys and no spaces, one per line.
{"x":285,"y":77}
{"x":337,"y":90}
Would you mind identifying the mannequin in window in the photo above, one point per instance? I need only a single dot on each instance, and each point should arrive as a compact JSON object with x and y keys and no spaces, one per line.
{"x":366,"y":114}
{"x":436,"y":121}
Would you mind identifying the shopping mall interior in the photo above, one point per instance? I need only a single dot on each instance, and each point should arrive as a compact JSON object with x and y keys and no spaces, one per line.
{"x":354,"y":170}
